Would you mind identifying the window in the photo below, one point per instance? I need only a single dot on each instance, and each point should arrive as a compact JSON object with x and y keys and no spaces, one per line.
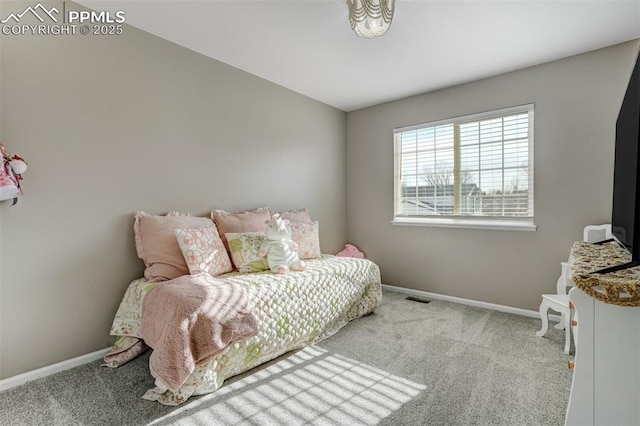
{"x":473,"y":171}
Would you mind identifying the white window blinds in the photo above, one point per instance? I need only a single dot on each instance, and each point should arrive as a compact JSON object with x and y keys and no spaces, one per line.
{"x":478,"y":167}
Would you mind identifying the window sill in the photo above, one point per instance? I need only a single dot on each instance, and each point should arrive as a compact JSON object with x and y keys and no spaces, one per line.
{"x":499,"y":225}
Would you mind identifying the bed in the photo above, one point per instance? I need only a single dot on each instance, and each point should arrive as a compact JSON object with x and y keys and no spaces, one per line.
{"x":291,"y":310}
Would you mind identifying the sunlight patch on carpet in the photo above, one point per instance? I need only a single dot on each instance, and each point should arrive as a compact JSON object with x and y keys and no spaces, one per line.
{"x":313,"y":386}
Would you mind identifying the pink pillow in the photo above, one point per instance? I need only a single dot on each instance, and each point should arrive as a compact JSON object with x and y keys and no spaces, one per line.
{"x":350,"y":251}
{"x":301,"y":215}
{"x":306,"y":235}
{"x":203,"y":250}
{"x":239,"y":222}
{"x":157,"y":245}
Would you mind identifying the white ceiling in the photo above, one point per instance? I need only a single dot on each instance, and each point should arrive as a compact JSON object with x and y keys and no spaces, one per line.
{"x":309,"y":47}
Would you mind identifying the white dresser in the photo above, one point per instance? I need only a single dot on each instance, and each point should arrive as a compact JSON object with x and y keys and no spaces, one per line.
{"x":606,"y":373}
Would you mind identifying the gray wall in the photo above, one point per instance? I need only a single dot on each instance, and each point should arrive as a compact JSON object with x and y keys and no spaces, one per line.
{"x":111,"y":125}
{"x":576,"y":105}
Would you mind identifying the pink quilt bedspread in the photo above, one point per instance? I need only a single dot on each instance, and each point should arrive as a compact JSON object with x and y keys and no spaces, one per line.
{"x":188,"y":320}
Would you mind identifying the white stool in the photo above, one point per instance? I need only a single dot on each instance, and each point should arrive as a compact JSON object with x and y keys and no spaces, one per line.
{"x":559,"y":303}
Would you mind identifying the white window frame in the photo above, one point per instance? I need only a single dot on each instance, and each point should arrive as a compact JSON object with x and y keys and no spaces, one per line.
{"x":517,"y":223}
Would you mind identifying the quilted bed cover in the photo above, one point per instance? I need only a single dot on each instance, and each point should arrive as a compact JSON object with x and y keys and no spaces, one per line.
{"x":292,"y":310}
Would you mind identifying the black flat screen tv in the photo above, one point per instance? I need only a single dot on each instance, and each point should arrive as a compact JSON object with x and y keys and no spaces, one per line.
{"x":625,"y":217}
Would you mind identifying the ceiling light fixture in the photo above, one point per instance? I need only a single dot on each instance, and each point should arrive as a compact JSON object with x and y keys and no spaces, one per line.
{"x":370,"y":18}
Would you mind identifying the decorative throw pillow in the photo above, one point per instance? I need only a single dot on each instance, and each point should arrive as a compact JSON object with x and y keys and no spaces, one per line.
{"x":157,"y":246}
{"x":244,"y":247}
{"x":307,"y":236}
{"x":301,"y":215}
{"x":203,"y":250}
{"x":238,"y":222}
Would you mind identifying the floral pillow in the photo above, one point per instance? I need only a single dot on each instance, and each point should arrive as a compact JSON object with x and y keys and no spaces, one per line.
{"x":307,"y":236}
{"x":244,"y":247}
{"x":203,"y":250}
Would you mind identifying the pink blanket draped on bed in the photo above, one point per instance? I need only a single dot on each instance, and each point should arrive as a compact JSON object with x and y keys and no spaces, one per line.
{"x":188,"y":320}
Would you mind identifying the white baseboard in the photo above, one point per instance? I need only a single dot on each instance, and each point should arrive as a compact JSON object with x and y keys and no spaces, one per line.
{"x":21,"y":379}
{"x":469,"y":302}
